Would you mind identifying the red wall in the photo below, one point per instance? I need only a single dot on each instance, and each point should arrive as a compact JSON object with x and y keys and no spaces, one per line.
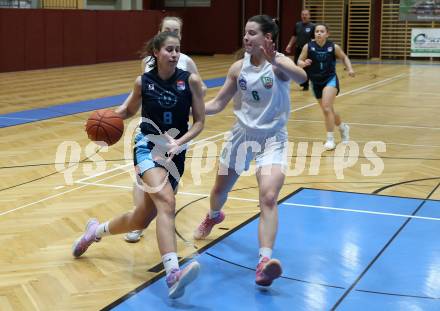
{"x":211,"y":30}
{"x":33,"y":39}
{"x":12,"y":40}
{"x":222,"y":22}
{"x":375,"y":42}
{"x":290,"y":13}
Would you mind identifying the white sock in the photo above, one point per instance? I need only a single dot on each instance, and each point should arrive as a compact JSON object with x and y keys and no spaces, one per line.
{"x":213,"y":214}
{"x":342,"y":126}
{"x":170,"y":262}
{"x":330,"y":136}
{"x":102,"y":230}
{"x":265,"y":252}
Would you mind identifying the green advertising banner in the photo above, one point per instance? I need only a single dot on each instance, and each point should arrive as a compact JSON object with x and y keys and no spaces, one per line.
{"x":420,"y":10}
{"x":425,"y":42}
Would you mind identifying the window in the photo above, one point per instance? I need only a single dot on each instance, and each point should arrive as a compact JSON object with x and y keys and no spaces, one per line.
{"x":187,"y":3}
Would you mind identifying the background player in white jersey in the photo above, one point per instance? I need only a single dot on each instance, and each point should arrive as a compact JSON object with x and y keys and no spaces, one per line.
{"x":261,"y":85}
{"x":167,"y":93}
{"x":174,"y":24}
{"x":171,"y":24}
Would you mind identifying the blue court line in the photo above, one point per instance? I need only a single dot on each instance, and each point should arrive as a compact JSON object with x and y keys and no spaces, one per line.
{"x":322,"y":254}
{"x":33,"y":115}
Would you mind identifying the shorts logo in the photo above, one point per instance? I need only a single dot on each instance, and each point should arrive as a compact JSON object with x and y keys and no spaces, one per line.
{"x":267,"y":82}
{"x":180,"y":85}
{"x":151,"y":87}
{"x":242,"y":83}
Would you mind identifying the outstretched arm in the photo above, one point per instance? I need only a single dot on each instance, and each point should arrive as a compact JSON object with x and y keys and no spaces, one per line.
{"x":227,"y":91}
{"x":284,"y":67}
{"x":132,"y":102}
{"x":341,"y":55}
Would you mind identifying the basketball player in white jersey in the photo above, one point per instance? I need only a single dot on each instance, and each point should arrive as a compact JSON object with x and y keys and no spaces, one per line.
{"x":259,"y":84}
{"x":171,"y":24}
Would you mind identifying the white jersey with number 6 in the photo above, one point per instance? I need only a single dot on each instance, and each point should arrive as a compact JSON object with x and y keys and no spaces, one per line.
{"x":262,"y":101}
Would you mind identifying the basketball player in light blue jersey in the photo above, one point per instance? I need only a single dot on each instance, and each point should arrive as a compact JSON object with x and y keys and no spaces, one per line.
{"x":259,"y":84}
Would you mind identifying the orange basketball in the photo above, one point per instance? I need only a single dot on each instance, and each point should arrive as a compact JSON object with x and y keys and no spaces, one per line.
{"x":105,"y":126}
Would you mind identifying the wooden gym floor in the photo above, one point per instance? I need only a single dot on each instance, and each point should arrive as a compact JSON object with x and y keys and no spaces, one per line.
{"x":41,"y":215}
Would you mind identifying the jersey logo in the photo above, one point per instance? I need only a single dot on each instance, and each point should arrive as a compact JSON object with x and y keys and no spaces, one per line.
{"x":267,"y":82}
{"x":242,"y":83}
{"x":308,"y":29}
{"x":151,"y":87}
{"x":330,"y":49}
{"x":313,"y":48}
{"x":167,"y":100}
{"x":180,"y":85}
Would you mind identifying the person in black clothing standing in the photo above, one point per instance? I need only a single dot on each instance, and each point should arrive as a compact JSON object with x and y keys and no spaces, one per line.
{"x":302,"y":34}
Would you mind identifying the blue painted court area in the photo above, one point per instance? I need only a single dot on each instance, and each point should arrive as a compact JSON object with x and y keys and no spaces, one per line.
{"x":56,"y":111}
{"x":339,"y":251}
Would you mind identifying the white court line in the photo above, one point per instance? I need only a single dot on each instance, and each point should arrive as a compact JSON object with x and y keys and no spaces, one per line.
{"x":297,"y":204}
{"x":83,"y":184}
{"x":179,"y":192}
{"x":398,"y":126}
{"x":374,"y":84}
{"x":361,"y":211}
{"x":326,"y":208}
{"x":362,"y":141}
{"x":308,"y":138}
{"x":406,"y":93}
{"x":119,"y":167}
{"x":103,"y":185}
{"x":207,"y":195}
{"x":358,"y":89}
{"x":130,"y":164}
{"x":373,"y":124}
{"x":53,"y":196}
{"x":222,"y":133}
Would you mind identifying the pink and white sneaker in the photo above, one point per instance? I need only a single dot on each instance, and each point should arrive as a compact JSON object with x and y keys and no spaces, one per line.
{"x":178,"y":279}
{"x":205,"y":228}
{"x":267,"y":271}
{"x":80,"y":245}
